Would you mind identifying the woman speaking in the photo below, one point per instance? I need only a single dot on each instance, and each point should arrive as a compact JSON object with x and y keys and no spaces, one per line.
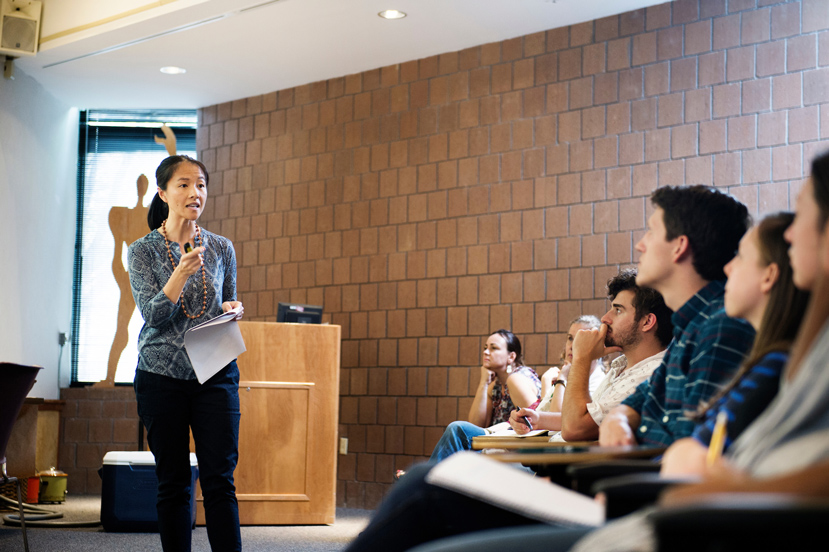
{"x":182,"y":275}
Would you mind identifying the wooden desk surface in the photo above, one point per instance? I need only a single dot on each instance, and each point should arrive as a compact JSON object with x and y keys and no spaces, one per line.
{"x":563,"y":455}
{"x":510,"y":443}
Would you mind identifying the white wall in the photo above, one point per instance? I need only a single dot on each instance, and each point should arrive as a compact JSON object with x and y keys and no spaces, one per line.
{"x":38,"y":167}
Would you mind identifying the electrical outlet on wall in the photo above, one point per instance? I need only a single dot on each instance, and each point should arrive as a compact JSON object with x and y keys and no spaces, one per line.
{"x":63,"y":338}
{"x":343,"y":445}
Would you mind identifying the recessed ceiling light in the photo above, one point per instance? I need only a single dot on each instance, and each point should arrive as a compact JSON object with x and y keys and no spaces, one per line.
{"x":170,"y":70}
{"x":392,"y":14}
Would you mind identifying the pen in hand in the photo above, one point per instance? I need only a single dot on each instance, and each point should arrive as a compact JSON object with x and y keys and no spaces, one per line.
{"x":527,"y":421}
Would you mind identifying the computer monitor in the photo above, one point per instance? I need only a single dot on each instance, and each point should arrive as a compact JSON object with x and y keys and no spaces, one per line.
{"x":300,"y":314}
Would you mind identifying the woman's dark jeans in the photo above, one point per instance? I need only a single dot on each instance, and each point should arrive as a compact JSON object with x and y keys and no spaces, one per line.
{"x":170,"y":408}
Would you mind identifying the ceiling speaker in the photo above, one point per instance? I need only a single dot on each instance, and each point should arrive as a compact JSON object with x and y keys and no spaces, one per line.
{"x":19,"y":27}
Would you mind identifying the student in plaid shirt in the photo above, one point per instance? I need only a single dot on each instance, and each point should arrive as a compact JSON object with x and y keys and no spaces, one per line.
{"x":691,"y":235}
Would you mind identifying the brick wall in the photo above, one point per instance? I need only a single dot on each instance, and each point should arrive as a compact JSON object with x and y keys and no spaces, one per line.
{"x":93,"y":422}
{"x":428,"y":203}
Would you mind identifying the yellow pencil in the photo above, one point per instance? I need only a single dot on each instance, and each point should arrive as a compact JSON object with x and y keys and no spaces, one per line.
{"x":715,"y":447}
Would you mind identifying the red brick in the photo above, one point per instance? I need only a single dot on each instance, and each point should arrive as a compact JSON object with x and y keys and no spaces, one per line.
{"x":618,"y":118}
{"x":742,"y":132}
{"x":569,"y":64}
{"x":644,"y":49}
{"x":712,"y":68}
{"x":669,"y":43}
{"x":771,"y":129}
{"x":815,"y":15}
{"x":657,"y":144}
{"x":670,"y":110}
{"x":756,"y":95}
{"x":726,"y":100}
{"x":726,"y":32}
{"x":786,"y":91}
{"x":740,"y":63}
{"x":593,"y":59}
{"x":771,"y":58}
{"x":631,"y":148}
{"x":801,"y":53}
{"x":698,"y":38}
{"x":787,"y":163}
{"x":657,"y":79}
{"x":699,"y":170}
{"x":630,"y":84}
{"x":684,"y":74}
{"x":580,"y":93}
{"x":803,"y":124}
{"x":643,"y":114}
{"x":581,"y":33}
{"x":815,"y":86}
{"x":644,"y":179}
{"x":618,"y":54}
{"x":785,"y":20}
{"x":756,"y":166}
{"x":755,"y":26}
{"x":684,"y":141}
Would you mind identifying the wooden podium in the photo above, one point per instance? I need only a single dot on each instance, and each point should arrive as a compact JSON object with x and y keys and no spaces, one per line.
{"x":288,"y":392}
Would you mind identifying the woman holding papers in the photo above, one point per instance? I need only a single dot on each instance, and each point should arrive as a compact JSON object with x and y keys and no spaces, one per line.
{"x":182,"y":275}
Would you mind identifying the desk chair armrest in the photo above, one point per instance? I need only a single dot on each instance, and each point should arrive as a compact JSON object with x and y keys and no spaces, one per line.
{"x":628,"y":493}
{"x":584,"y":476}
{"x":742,"y":522}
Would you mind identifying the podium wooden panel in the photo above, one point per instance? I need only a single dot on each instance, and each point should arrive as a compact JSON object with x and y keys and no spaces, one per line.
{"x":288,"y":392}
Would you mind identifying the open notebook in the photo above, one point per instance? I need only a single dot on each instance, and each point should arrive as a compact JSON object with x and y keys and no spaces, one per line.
{"x":473,"y":475}
{"x":505,"y":430}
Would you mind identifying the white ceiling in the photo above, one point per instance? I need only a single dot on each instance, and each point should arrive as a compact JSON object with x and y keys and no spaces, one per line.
{"x":107,"y":54}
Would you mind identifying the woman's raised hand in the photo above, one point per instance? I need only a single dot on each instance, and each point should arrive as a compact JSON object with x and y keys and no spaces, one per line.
{"x":191,"y":262}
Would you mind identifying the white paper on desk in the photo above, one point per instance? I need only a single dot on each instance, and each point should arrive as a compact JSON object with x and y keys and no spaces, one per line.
{"x":213,"y":344}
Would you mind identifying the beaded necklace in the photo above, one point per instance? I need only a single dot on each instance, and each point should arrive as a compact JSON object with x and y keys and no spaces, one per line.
{"x":200,"y":243}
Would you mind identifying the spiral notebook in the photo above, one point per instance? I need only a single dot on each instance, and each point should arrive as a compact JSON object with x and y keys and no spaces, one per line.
{"x":476,"y":476}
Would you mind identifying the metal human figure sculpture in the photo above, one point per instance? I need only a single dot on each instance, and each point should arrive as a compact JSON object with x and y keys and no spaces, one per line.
{"x":127,"y":225}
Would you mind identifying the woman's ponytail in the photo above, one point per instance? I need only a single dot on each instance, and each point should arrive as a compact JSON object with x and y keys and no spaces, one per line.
{"x":157,"y":212}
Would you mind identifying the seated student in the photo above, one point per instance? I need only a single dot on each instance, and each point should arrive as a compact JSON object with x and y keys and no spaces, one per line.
{"x":785,"y":450}
{"x":759,"y":288}
{"x":639,"y":325}
{"x":554,"y":380}
{"x":691,"y":235}
{"x":505,"y":383}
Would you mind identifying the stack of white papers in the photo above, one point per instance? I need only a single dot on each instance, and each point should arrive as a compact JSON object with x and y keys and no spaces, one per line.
{"x":213,"y":344}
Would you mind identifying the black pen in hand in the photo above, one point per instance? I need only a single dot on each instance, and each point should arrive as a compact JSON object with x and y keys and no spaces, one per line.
{"x":527,"y":421}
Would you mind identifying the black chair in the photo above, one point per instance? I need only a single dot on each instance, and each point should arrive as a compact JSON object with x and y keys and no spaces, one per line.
{"x":15,"y":382}
{"x":742,"y":522}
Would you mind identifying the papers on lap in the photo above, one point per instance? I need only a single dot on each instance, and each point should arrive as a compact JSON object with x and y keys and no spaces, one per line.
{"x":470,"y":474}
{"x":213,"y":344}
{"x":505,"y":430}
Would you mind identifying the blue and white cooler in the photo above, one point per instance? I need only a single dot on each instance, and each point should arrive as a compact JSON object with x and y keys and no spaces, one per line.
{"x":130,"y":489}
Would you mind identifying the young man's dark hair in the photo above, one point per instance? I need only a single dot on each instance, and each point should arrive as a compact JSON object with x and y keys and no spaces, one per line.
{"x":713,"y":221}
{"x":645,"y":300}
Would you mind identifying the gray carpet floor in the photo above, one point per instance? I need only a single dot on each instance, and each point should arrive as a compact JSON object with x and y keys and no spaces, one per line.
{"x":302,"y":538}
